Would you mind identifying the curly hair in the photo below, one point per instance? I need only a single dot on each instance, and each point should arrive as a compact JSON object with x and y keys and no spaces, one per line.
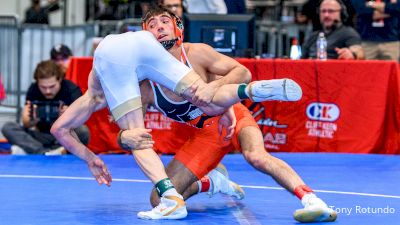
{"x":155,"y":10}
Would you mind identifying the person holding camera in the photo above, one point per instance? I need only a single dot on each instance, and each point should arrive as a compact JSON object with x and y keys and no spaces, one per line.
{"x":46,"y":100}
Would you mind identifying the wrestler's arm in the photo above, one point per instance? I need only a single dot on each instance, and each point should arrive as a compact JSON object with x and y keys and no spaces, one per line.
{"x":219,"y":70}
{"x":75,"y":116}
{"x":139,"y":138}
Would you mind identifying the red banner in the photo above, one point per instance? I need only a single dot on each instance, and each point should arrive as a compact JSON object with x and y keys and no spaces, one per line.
{"x":347,"y":106}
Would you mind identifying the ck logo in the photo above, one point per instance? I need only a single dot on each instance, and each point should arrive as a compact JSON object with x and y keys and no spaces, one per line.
{"x":323,"y":111}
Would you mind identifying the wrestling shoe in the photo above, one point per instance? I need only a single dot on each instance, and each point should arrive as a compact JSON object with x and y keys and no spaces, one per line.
{"x":57,"y":151}
{"x":222,"y":169}
{"x":277,"y":89}
{"x":315,"y":210}
{"x":170,"y":208}
{"x":221,"y":184}
{"x":16,"y":150}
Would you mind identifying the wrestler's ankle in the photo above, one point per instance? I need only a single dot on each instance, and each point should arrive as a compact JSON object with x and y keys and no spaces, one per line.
{"x":165,"y":187}
{"x":243,"y":91}
{"x":204,"y":184}
{"x":302,"y":190}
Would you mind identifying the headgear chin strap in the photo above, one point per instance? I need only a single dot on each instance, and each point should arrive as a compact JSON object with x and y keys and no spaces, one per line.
{"x":169,"y":44}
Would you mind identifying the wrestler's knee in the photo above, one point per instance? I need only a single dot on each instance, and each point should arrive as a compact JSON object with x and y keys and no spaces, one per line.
{"x":256,"y":157}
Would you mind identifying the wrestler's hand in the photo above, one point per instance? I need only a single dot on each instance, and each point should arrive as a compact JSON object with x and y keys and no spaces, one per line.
{"x":99,"y":171}
{"x":227,"y":121}
{"x":137,"y":139}
{"x":204,"y":94}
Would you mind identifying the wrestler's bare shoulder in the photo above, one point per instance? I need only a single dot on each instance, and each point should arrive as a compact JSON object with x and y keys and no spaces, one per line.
{"x":197,"y":48}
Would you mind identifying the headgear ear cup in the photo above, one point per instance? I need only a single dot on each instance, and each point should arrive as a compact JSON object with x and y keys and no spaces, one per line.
{"x":178,"y":30}
{"x":344,"y":15}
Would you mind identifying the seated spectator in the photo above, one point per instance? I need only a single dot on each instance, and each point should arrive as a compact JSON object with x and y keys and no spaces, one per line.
{"x":309,"y":13}
{"x":343,"y":41}
{"x":378,"y":23}
{"x":46,"y":99}
{"x":38,"y":14}
{"x":61,"y":55}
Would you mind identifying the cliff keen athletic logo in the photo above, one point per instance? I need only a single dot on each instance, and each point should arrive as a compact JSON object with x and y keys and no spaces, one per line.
{"x":323,"y":111}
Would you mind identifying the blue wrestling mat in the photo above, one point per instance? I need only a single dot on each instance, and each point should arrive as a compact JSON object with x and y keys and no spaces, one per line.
{"x":363,"y":189}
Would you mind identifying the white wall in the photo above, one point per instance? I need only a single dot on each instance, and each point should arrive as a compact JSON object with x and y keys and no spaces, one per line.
{"x":76,"y":11}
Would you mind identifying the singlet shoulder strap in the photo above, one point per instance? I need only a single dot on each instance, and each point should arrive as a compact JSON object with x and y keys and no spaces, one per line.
{"x":184,"y":57}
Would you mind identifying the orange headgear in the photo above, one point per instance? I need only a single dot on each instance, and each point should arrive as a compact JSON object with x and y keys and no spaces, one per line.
{"x":178,"y":26}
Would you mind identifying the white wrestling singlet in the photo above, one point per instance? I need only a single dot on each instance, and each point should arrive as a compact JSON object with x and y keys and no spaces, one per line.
{"x":121,"y":61}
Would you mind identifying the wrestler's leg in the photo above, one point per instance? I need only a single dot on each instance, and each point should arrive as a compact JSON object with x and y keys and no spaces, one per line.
{"x":123,"y":98}
{"x":124,"y":101}
{"x":257,"y":91}
{"x":158,"y":65}
{"x":152,"y":166}
{"x":252,"y":144}
{"x":147,"y":159}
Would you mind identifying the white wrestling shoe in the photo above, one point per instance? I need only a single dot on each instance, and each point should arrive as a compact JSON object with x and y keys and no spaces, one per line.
{"x":170,"y":208}
{"x":221,"y":184}
{"x":16,"y":150}
{"x":276,"y":89}
{"x":315,"y":210}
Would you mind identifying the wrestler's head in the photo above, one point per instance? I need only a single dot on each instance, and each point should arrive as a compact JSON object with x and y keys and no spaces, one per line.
{"x":164,"y":25}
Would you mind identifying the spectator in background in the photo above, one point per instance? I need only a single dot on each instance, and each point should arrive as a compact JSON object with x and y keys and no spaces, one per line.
{"x":175,"y":6}
{"x":56,"y":94}
{"x":38,"y":14}
{"x":378,"y":22}
{"x":61,"y":55}
{"x":343,"y":41}
{"x":206,"y":6}
{"x":309,"y":12}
